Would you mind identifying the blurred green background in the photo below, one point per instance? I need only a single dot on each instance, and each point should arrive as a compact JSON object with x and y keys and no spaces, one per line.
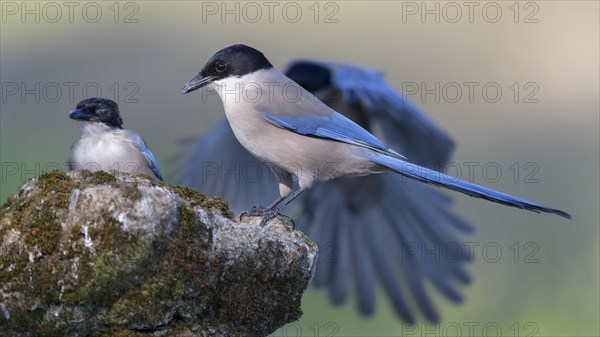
{"x":141,"y":53}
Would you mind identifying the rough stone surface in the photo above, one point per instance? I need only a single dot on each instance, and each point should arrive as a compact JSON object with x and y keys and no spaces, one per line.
{"x":91,"y":254}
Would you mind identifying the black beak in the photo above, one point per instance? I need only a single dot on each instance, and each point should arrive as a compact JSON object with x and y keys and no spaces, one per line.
{"x":80,"y":115}
{"x":196,"y":83}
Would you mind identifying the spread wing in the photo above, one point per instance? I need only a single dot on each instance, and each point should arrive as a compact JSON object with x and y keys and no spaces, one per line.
{"x":403,"y":126}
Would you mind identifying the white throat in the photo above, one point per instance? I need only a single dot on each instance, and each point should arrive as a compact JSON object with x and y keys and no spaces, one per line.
{"x":249,"y":88}
{"x":92,"y":129}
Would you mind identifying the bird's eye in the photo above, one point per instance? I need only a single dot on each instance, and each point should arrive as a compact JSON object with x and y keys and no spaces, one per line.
{"x":103,"y":111}
{"x":220,"y":67}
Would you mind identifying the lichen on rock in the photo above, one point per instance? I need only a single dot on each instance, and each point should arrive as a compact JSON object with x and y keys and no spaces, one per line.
{"x":86,"y":253}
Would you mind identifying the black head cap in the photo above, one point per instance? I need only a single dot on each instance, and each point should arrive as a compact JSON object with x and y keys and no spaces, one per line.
{"x":310,"y":75}
{"x":98,"y":110}
{"x":237,"y":60}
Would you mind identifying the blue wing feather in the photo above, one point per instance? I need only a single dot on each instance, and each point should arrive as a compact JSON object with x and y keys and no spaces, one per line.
{"x":140,"y":144}
{"x":335,"y":127}
{"x":152,"y":160}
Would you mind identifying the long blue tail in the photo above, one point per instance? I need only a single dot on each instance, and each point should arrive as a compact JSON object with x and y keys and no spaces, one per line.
{"x":439,"y":179}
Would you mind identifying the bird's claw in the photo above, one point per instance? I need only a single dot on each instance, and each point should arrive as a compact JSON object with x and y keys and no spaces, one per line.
{"x":273,"y":215}
{"x":255,"y":211}
{"x":268,"y":215}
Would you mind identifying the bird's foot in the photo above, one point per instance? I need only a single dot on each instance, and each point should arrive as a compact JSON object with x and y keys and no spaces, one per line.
{"x":282,"y":217}
{"x":267,"y":215}
{"x":256,"y":211}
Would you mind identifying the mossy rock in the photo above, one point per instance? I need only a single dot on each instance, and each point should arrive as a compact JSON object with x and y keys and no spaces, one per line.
{"x":86,"y":253}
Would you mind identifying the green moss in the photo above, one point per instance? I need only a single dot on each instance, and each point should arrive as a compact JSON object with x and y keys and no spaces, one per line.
{"x":196,"y":198}
{"x":109,"y":273}
{"x":14,"y":258}
{"x":168,"y":275}
{"x":145,"y":176}
{"x":159,"y":294}
{"x":16,"y":209}
{"x":37,"y":217}
{"x":43,"y":284}
{"x":222,"y":205}
{"x":98,"y":177}
{"x":191,"y":238}
{"x":40,"y":234}
{"x":44,"y":230}
{"x":53,"y":180}
{"x":9,"y":201}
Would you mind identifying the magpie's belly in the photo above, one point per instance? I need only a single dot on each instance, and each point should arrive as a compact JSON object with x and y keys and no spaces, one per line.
{"x":98,"y":155}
